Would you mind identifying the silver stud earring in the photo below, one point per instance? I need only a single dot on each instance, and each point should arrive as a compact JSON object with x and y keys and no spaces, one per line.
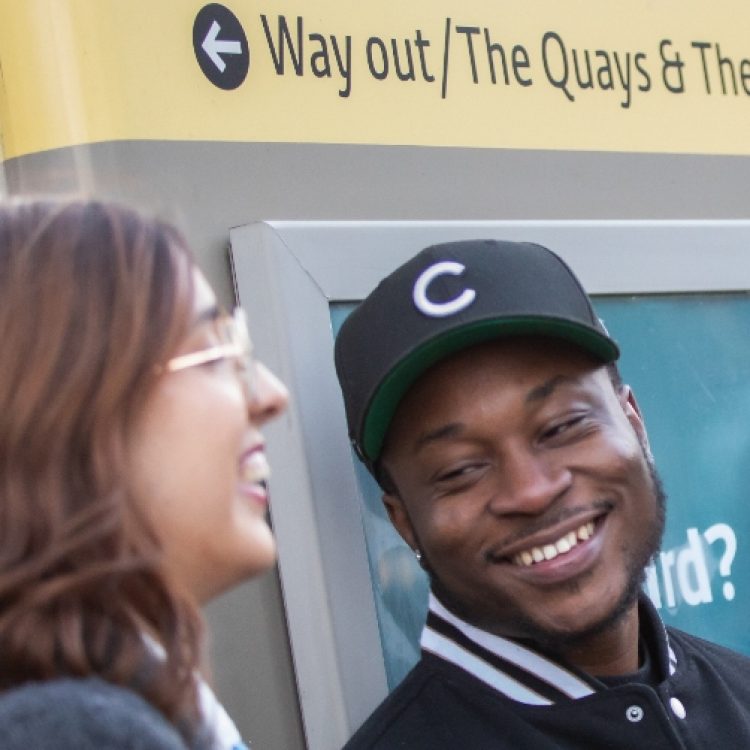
{"x":418,"y":555}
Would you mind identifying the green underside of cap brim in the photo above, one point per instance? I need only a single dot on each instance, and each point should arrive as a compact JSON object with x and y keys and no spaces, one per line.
{"x":393,"y":388}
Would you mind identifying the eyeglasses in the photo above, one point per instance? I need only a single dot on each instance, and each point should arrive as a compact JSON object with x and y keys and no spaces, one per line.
{"x":235,"y":346}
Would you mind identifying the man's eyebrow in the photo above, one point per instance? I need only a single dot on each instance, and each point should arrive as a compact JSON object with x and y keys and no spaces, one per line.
{"x":441,"y":433}
{"x":548,"y":388}
{"x":452,"y":429}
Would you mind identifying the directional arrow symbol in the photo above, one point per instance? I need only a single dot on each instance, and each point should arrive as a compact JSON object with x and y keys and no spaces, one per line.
{"x":225,"y":62}
{"x":215,"y":47}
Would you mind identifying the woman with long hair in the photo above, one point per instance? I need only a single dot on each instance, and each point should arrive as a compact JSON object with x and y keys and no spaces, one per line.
{"x":132,"y":479}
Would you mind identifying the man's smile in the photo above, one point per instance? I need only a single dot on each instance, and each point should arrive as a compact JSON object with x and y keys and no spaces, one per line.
{"x":551,"y":550}
{"x":558,"y":553}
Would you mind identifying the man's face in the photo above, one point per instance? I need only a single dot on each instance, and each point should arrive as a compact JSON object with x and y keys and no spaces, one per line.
{"x":523,"y":478}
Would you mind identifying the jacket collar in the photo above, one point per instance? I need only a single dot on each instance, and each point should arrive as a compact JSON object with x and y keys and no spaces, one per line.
{"x":519,"y":671}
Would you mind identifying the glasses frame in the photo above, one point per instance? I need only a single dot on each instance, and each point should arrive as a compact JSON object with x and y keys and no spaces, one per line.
{"x":238,"y":348}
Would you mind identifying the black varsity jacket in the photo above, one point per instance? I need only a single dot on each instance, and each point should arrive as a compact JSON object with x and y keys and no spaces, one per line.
{"x":472,"y":690}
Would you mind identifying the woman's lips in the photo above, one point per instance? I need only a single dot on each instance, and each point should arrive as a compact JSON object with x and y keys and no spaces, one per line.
{"x":254,"y":473}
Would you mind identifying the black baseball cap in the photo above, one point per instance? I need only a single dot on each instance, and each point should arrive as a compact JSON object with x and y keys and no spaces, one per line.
{"x":446,"y":298}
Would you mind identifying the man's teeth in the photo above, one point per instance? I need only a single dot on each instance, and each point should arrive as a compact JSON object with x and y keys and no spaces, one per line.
{"x":560,"y":547}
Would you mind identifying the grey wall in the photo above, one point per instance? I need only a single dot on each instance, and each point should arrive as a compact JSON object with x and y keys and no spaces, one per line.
{"x":206,"y":188}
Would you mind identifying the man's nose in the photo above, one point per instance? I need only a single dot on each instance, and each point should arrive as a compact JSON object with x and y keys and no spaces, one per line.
{"x":529,"y":483}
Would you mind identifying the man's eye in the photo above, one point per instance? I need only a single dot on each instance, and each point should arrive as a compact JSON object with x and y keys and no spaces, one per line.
{"x":460,"y":473}
{"x":563,"y":427}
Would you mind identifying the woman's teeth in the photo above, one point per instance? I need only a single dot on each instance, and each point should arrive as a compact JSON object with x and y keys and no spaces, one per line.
{"x":254,"y":469}
{"x":551,"y":551}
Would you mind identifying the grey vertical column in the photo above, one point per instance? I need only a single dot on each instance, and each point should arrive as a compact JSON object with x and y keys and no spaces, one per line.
{"x":322,"y":562}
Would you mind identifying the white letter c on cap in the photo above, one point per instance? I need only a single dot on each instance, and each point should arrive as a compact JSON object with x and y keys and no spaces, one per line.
{"x":441,"y":309}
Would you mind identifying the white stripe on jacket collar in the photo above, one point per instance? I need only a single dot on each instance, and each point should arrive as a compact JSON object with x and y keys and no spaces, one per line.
{"x":535,"y":679}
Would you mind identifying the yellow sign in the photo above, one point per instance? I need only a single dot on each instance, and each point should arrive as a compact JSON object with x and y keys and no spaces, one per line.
{"x":668,"y":76}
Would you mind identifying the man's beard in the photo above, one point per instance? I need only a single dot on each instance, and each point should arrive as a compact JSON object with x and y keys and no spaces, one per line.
{"x":557,"y":641}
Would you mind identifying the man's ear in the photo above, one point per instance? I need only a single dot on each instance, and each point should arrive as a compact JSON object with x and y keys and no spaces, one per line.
{"x":400,"y":518}
{"x":633,"y":414}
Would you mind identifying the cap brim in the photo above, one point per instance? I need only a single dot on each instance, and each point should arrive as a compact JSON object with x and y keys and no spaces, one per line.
{"x":394,"y":386}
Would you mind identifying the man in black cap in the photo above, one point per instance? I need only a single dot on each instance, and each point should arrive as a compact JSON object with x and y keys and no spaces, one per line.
{"x":482,"y":394}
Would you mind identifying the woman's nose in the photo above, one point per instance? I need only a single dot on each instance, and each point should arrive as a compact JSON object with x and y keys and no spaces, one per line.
{"x":269,"y":398}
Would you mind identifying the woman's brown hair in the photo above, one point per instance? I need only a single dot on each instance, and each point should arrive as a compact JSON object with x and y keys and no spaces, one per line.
{"x":93,"y":298}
